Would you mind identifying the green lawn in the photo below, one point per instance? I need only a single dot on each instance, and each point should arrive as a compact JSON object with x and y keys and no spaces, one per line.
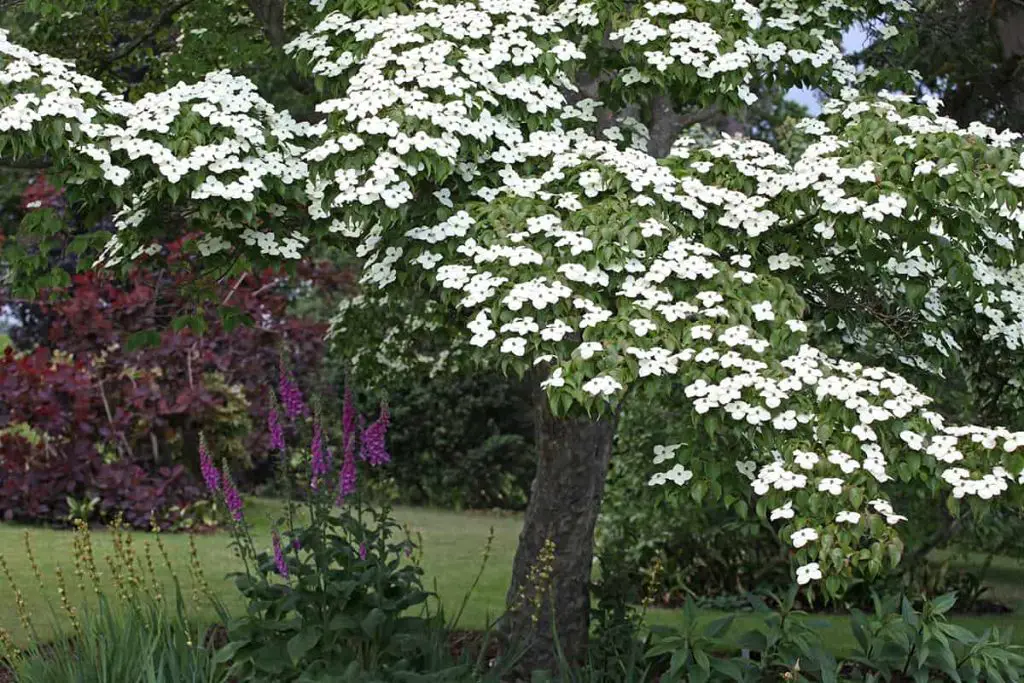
{"x":453,"y":548}
{"x":452,"y":542}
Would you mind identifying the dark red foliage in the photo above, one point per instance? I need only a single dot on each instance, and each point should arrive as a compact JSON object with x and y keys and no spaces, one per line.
{"x":132,"y":404}
{"x":39,"y":193}
{"x":61,"y":458}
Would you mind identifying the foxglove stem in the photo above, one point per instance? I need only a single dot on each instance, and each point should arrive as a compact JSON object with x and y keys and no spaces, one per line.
{"x":319,"y":464}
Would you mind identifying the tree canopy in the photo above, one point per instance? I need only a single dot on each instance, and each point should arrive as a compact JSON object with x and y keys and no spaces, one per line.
{"x":489,"y":163}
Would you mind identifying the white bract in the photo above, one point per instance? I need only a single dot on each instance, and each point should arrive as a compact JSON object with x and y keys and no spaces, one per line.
{"x":457,"y":157}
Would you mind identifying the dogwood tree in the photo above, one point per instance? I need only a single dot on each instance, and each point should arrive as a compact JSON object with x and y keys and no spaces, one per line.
{"x":487,"y":162}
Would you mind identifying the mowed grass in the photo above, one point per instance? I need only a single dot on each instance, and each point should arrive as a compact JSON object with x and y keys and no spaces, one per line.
{"x":453,"y":545}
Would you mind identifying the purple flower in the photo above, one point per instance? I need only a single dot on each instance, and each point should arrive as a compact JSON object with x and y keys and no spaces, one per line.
{"x":408,"y":549}
{"x":276,"y":431}
{"x":210,"y":474}
{"x":232,"y":498}
{"x":318,"y":466}
{"x":348,"y":420}
{"x":291,"y":396}
{"x":296,"y":544}
{"x":282,"y":566}
{"x":374,"y":449}
{"x":362,"y":551}
{"x":346,"y":478}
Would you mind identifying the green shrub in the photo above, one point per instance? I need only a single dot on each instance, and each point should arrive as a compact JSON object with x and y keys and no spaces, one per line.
{"x":466,"y":442}
{"x":703,"y":547}
{"x":898,"y":642}
{"x":716,"y":548}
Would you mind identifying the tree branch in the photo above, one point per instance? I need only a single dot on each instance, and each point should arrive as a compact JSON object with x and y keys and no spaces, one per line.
{"x":26,"y":164}
{"x":666,"y":124}
{"x":161,"y":20}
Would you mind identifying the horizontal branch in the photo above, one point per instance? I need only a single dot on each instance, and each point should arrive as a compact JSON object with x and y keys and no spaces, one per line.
{"x":26,"y":164}
{"x":162,"y":19}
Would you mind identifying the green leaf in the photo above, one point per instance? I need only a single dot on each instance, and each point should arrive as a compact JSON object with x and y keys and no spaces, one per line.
{"x":302,"y":642}
{"x":342,"y":621}
{"x":228,"y":652}
{"x":859,"y":626}
{"x":372,"y":621}
{"x":142,"y":340}
{"x":943,"y":603}
{"x":719,"y":626}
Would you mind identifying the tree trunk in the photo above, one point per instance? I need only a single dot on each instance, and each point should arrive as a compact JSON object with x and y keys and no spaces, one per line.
{"x":572,"y":464}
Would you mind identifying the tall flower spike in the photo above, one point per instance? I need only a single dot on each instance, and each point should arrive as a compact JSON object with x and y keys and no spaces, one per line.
{"x":291,"y":395}
{"x":348,"y":420}
{"x":275,"y":428}
{"x":318,"y":464}
{"x":374,"y":449}
{"x":232,"y":498}
{"x":279,"y":561}
{"x":347,"y":477}
{"x":210,"y":474}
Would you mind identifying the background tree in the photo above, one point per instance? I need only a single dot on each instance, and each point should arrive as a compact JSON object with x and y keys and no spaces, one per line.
{"x":969,"y":53}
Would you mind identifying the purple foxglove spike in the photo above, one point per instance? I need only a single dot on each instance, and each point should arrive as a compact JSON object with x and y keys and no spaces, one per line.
{"x":210,"y":474}
{"x":282,"y":566}
{"x":374,"y":448}
{"x":348,"y":419}
{"x":276,"y":430}
{"x":232,"y":498}
{"x":291,"y":396}
{"x":362,"y":551}
{"x":346,"y":478}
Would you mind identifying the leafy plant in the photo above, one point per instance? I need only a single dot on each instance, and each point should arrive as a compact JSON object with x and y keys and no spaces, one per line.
{"x":118,"y":644}
{"x":331,"y":598}
{"x":896,"y":643}
{"x":133,"y":631}
{"x":900,"y":642}
{"x":705,"y":546}
{"x":53,"y":456}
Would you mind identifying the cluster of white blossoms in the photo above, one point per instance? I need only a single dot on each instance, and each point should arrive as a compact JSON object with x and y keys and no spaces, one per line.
{"x":879,"y":219}
{"x":437,"y":86}
{"x":727,"y":46}
{"x":217,"y":138}
{"x":450,"y":155}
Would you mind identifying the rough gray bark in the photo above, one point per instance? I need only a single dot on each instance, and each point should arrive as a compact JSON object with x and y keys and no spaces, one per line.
{"x":270,"y":14}
{"x":572,"y":464}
